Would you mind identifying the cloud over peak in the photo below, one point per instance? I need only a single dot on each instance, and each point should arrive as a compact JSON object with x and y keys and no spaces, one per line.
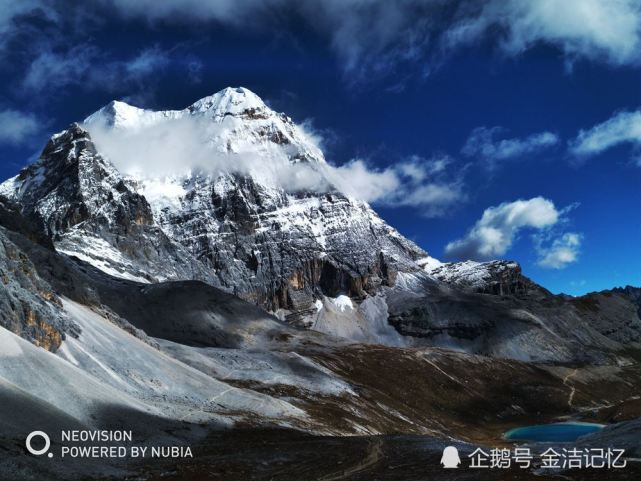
{"x":155,"y":145}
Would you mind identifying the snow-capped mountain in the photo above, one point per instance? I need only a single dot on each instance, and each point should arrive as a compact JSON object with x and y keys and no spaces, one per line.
{"x":493,"y":277}
{"x":238,"y":121}
{"x":229,"y":192}
{"x":112,"y":192}
{"x":91,"y":211}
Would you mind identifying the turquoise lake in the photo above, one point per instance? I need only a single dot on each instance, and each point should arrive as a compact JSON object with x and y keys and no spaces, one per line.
{"x":548,"y":433}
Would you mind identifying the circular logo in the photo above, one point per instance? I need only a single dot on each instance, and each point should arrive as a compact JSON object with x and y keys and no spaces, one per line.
{"x":38,"y":452}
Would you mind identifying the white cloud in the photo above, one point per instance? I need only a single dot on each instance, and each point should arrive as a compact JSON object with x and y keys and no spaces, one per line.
{"x":482,"y":143}
{"x":87,"y":66}
{"x":147,"y":62}
{"x":17,"y":127}
{"x":55,"y":70}
{"x":371,"y":37}
{"x":164,"y":148}
{"x":356,"y":178}
{"x":601,"y":30}
{"x":560,"y":252}
{"x":493,"y":234}
{"x":623,"y":127}
{"x":177,"y":146}
{"x":412,"y":183}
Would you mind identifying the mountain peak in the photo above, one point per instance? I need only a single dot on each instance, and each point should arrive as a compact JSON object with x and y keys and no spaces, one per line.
{"x":74,"y":134}
{"x":229,"y":101}
{"x":117,"y":114}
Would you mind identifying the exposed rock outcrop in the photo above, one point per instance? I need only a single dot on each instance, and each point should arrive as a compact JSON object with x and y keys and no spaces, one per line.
{"x":28,"y":305}
{"x":502,"y":278}
{"x":278,"y":248}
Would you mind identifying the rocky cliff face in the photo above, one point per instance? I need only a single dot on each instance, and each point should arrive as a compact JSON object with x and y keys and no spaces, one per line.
{"x":29,"y":306}
{"x":278,"y":247}
{"x":503,"y":278}
{"x":72,"y":184}
{"x":317,"y":257}
{"x":630,"y":292}
{"x":89,"y":210}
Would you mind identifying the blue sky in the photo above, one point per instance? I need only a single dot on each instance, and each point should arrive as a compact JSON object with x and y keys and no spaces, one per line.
{"x":520,"y":116}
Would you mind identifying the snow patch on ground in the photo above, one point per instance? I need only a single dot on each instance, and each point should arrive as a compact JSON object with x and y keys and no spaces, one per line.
{"x":367,"y":322}
{"x":429,"y":263}
{"x":343,"y":302}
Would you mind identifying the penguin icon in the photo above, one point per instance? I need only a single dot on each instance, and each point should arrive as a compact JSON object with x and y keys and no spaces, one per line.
{"x":450,"y":458}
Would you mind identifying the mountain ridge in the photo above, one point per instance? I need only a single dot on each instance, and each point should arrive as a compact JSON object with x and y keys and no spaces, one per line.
{"x":278,"y":248}
{"x":317,"y":259}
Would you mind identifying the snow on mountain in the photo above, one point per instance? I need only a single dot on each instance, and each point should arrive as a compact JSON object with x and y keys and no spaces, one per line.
{"x":429,"y":263}
{"x":226,"y":190}
{"x":121,"y":115}
{"x":488,"y":308}
{"x":90,"y":210}
{"x":343,"y":302}
{"x":470,"y":273}
{"x":229,"y":101}
{"x":214,"y":133}
{"x":493,"y":277}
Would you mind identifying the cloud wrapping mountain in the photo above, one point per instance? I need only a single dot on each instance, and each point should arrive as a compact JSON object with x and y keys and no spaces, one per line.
{"x":174,"y":144}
